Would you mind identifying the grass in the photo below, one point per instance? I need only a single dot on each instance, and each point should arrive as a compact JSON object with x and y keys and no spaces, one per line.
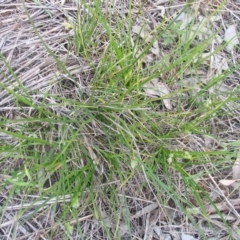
{"x":106,"y":150}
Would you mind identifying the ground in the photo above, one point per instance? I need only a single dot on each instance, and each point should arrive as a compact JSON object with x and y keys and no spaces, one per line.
{"x":119,"y":119}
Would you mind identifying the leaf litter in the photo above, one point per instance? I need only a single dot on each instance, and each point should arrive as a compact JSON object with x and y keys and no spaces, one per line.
{"x":231,"y":38}
{"x":156,"y":88}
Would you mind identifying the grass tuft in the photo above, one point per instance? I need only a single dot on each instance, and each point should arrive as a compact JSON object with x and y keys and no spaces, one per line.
{"x":103,"y":148}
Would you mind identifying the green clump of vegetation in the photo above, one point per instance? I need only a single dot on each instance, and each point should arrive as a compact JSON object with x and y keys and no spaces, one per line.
{"x":142,"y":125}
